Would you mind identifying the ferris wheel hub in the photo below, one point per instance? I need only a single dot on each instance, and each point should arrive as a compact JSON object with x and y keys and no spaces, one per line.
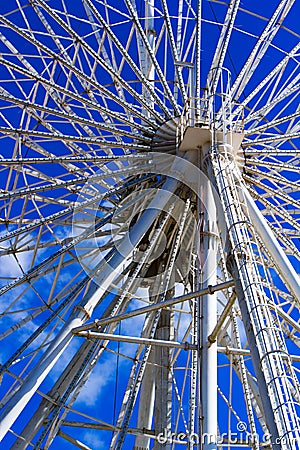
{"x":165,"y":139}
{"x":178,"y":135}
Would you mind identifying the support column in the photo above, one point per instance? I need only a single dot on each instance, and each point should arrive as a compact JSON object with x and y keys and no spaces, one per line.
{"x":149,"y":69}
{"x":272,"y":365}
{"x":147,"y":395}
{"x":208,"y":319}
{"x":146,"y":403}
{"x":163,"y":381}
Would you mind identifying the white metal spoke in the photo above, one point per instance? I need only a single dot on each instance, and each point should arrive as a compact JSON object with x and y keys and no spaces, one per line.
{"x":222,"y":46}
{"x":261,"y":47}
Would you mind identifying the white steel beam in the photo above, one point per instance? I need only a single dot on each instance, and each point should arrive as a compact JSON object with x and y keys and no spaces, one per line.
{"x":198,"y":57}
{"x":262,"y":329}
{"x":73,"y":441}
{"x":222,"y":46}
{"x":277,"y":210}
{"x":52,"y":218}
{"x":174,"y":50}
{"x":279,"y":193}
{"x":17,"y":132}
{"x":68,"y":64}
{"x":156,"y":306}
{"x":135,"y":340}
{"x":151,"y":54}
{"x":273,"y":138}
{"x":281,"y":261}
{"x":71,"y":183}
{"x":72,"y":116}
{"x":142,"y":76}
{"x":146,"y":404}
{"x":224,"y":315}
{"x":50,"y":84}
{"x":208,"y":363}
{"x":163,"y":379}
{"x":272,"y":151}
{"x":261,"y":47}
{"x":147,"y":65}
{"x":277,"y":179}
{"x":250,"y":131}
{"x":107,"y":273}
{"x":75,"y":159}
{"x":48,"y":404}
{"x":270,"y":76}
{"x":147,"y":389}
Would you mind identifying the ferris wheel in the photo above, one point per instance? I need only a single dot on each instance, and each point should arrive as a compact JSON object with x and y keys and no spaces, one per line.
{"x":150,"y":224}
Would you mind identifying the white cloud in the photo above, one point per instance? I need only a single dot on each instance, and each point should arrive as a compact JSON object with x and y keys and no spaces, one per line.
{"x":101,"y":376}
{"x":9,"y":266}
{"x":92,"y":439}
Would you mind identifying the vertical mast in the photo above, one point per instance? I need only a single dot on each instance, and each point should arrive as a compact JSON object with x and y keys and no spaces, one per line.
{"x":208,"y":318}
{"x":147,"y":391}
{"x":149,"y":69}
{"x":208,"y":366}
{"x":198,"y":58}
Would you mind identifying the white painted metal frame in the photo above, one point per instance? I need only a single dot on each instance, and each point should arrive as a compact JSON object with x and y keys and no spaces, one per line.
{"x":94,"y":233}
